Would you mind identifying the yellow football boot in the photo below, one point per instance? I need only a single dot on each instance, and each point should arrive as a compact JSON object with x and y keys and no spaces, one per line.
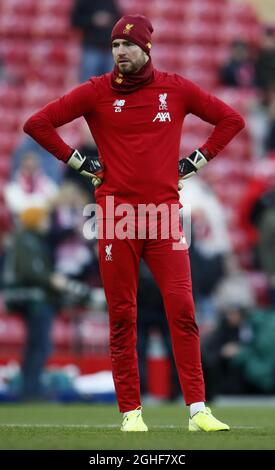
{"x":205,"y":421}
{"x":133,"y":421}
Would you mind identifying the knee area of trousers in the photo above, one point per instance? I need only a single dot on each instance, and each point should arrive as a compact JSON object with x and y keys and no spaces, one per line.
{"x":186,"y":324}
{"x":182,"y":305}
{"x":123,"y":312}
{"x":122,"y":321}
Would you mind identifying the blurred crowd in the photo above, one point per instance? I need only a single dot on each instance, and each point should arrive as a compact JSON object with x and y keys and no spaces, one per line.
{"x":234,"y":289}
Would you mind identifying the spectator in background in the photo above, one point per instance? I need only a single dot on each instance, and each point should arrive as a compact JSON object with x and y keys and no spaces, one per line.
{"x":256,"y":357}
{"x":208,"y":214}
{"x":50,"y":166}
{"x":3,"y":75}
{"x":34,"y":287}
{"x":219,"y":349}
{"x":270,"y":135}
{"x":239,"y":71}
{"x":261,"y":121}
{"x":250,"y":204}
{"x":266,"y":245}
{"x":235,"y":284}
{"x":151,"y":316}
{"x":258,"y":126}
{"x":265,"y":63}
{"x":30,"y":186}
{"x":207,"y":271}
{"x":95,"y":19}
{"x":7,"y":76}
{"x":209,"y":244}
{"x":75,"y":256}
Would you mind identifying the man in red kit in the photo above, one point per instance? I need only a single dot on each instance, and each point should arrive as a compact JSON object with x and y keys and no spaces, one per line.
{"x":135,"y":114}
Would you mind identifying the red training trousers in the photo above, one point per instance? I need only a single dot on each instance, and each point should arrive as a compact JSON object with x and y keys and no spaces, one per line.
{"x":119,"y":265}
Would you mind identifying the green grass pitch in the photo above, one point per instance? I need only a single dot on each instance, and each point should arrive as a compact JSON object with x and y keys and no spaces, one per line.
{"x":89,"y":427}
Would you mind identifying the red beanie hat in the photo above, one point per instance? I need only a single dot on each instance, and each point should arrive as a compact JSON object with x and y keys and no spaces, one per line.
{"x":136,"y":29}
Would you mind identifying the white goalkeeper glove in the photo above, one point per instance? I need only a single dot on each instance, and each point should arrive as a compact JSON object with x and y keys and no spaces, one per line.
{"x":90,"y":167}
{"x":190,"y":165}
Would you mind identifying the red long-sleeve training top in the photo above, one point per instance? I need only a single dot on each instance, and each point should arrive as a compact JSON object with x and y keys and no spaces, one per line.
{"x":137,"y":134}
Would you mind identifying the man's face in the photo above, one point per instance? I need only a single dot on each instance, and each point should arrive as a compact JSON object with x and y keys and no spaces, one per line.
{"x":129,"y":57}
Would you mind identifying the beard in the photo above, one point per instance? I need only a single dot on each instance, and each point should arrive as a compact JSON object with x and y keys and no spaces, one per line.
{"x":127,"y":67}
{"x":131,"y":67}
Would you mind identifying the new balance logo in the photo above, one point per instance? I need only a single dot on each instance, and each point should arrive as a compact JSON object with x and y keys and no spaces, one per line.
{"x":162,"y":117}
{"x":108,"y":251}
{"x":118,"y":104}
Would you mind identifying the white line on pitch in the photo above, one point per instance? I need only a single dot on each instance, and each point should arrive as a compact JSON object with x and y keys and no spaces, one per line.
{"x":103,"y":426}
{"x":85,"y":426}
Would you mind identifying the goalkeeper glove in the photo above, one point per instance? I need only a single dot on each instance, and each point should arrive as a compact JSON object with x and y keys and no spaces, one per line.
{"x":87,"y":166}
{"x":190,"y":165}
